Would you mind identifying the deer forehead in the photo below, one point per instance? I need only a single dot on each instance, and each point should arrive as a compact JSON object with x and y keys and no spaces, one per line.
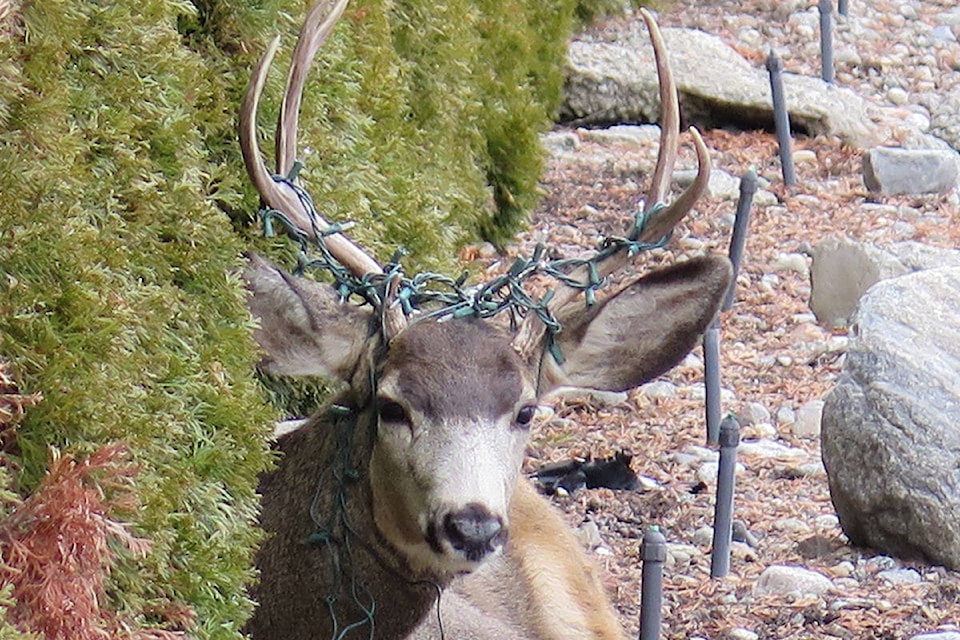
{"x":452,"y":370}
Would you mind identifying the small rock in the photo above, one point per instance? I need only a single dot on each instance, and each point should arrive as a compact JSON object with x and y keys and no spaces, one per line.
{"x":751,"y":37}
{"x":759,"y":431}
{"x":792,"y":472}
{"x":890,"y":170}
{"x":691,"y":360}
{"x":805,"y":156}
{"x":792,"y":525}
{"x":743,"y":634}
{"x":659,"y":389}
{"x":769,"y":449}
{"x":764,"y":198}
{"x":770,"y":279}
{"x":782,"y":579}
{"x":938,"y":635}
{"x":827,"y":521}
{"x":754,"y":412}
{"x":740,"y":533}
{"x":807,"y":424}
{"x":636,"y":134}
{"x":897,"y":96}
{"x":684,"y":459}
{"x":681,"y":554}
{"x":692,"y":244}
{"x":707,"y":473}
{"x":702,"y":453}
{"x":848,"y":57}
{"x":786,"y":415}
{"x":795,"y":262}
{"x":943,"y":33}
{"x":846,"y":584}
{"x":842,"y":569}
{"x":721,"y":185}
{"x":589,"y":534}
{"x":703,"y":537}
{"x":881,"y":563}
{"x":807,"y":332}
{"x":900,"y":576}
{"x":919,"y":122}
{"x":698,"y":391}
{"x":858,"y":603}
{"x":908,"y":11}
{"x":784,"y":361}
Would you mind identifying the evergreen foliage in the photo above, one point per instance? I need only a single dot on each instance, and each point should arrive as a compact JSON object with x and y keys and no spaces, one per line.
{"x":118,"y":161}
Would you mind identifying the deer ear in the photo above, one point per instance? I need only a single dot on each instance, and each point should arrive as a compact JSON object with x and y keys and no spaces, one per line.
{"x":304,"y":328}
{"x":640,"y":332}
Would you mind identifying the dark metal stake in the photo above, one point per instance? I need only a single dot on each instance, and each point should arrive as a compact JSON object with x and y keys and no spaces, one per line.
{"x":842,"y":7}
{"x":711,"y":379}
{"x":781,"y":118}
{"x":748,"y":187}
{"x":723,"y":514}
{"x":653,"y":553}
{"x":826,"y":40}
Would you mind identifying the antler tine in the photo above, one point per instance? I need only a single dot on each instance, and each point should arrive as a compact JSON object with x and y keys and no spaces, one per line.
{"x":316,"y":27}
{"x":278,"y":195}
{"x":670,"y":115}
{"x":659,"y":222}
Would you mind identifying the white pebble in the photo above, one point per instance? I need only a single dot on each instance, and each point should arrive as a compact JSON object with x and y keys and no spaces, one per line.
{"x":897,"y":96}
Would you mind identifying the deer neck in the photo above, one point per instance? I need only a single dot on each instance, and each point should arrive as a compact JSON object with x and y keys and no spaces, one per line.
{"x":325,"y":557}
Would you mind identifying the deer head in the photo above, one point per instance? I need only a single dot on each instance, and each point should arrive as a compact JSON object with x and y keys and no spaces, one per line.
{"x":449,"y":401}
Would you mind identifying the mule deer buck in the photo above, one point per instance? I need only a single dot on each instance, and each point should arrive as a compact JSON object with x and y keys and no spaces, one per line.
{"x":399,"y":511}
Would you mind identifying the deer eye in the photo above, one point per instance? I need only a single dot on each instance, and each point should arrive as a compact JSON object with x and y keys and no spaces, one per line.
{"x":525,"y":415}
{"x":392,"y":411}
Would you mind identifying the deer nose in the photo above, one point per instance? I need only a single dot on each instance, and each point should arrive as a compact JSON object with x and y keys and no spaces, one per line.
{"x":474,"y":531}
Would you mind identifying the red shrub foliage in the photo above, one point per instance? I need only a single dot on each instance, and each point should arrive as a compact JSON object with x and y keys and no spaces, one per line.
{"x":54,"y":550}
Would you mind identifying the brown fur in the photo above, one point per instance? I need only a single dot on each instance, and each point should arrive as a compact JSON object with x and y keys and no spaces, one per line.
{"x":374,"y":483}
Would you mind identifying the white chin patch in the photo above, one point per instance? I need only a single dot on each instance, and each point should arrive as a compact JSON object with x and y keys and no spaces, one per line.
{"x":458,"y":561}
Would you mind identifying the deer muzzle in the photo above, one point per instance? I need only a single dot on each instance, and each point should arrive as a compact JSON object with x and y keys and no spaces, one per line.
{"x":471,"y":532}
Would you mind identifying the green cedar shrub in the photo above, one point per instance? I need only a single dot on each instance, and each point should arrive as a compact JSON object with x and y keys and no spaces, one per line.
{"x":118,"y":163}
{"x":115,"y":295}
{"x":590,"y":11}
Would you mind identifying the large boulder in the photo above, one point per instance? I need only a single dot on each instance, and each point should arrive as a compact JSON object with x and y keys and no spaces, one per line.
{"x":892,"y":170}
{"x":891,"y":427}
{"x":842,"y":270}
{"x":616,"y":82}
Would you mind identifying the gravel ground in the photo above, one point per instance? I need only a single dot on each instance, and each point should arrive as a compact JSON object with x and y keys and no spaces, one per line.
{"x":777,"y":362}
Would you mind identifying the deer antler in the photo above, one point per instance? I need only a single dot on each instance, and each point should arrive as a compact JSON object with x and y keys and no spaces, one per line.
{"x":659,"y":222}
{"x":279,"y":194}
